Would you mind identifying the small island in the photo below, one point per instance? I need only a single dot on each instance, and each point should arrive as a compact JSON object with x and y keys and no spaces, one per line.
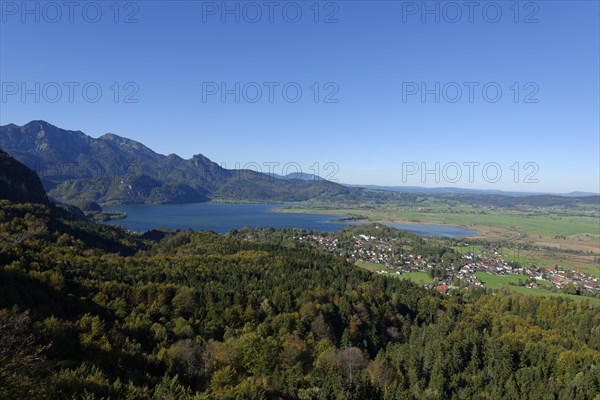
{"x":93,"y":211}
{"x":107,"y":216}
{"x":352,"y":218}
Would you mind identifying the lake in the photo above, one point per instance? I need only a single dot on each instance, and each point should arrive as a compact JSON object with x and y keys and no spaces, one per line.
{"x":222,"y":218}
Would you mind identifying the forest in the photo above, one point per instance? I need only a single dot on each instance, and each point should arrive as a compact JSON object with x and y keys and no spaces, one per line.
{"x":89,"y":311}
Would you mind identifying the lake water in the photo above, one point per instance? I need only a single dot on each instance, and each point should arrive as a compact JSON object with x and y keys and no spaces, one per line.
{"x":222,"y":218}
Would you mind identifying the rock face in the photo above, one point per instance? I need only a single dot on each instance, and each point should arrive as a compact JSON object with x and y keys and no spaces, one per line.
{"x":18,"y":183}
{"x":116,"y":170}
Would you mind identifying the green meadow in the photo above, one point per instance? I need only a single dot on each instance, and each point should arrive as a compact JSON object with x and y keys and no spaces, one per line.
{"x":373,"y":267}
{"x":417,"y":277}
{"x":498,"y":281}
{"x":593,"y":270}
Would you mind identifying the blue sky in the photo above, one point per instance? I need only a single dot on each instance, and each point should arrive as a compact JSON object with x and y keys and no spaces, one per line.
{"x":366,"y":65}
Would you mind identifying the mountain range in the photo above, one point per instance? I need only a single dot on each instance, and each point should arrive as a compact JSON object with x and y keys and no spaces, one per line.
{"x":80,"y":170}
{"x":111,"y":169}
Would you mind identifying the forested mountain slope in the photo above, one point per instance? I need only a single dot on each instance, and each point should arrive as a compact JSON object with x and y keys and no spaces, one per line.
{"x":198,"y":314}
{"x":90,"y":311}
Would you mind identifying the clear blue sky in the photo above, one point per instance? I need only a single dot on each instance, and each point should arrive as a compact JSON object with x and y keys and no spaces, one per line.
{"x":375,"y":56}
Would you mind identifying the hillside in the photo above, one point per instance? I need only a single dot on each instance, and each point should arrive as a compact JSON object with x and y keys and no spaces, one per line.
{"x":91,"y":311}
{"x":200,"y":316}
{"x":116,"y":170}
{"x":18,"y":183}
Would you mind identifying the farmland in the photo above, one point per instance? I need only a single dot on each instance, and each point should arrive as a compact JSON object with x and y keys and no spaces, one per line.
{"x":533,"y":235}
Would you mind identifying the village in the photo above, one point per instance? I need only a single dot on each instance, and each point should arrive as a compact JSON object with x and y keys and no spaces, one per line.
{"x":460,"y":271}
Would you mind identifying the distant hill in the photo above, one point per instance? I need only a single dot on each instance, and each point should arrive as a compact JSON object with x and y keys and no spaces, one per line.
{"x":18,"y":183}
{"x":115,"y":170}
{"x":302,"y":176}
{"x":453,"y":190}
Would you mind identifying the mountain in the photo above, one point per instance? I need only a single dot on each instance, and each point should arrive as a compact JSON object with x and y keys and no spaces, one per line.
{"x":115,"y":170}
{"x":18,"y":183}
{"x":579,"y":194}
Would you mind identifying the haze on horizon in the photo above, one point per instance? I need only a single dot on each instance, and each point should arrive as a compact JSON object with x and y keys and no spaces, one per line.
{"x":391,"y":94}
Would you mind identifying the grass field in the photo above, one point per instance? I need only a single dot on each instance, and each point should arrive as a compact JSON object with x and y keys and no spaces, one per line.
{"x":527,"y":257}
{"x":593,"y":270}
{"x":466,"y":249}
{"x":498,"y":281}
{"x":373,"y":267}
{"x":417,"y":277}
